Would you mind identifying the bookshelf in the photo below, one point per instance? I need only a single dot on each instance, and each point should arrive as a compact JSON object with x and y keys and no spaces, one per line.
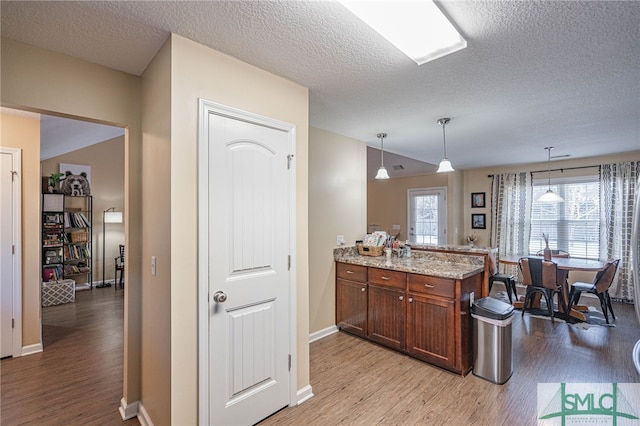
{"x":66,"y":239}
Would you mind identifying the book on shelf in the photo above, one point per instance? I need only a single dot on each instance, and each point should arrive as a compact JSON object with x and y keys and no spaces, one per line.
{"x":52,"y":273}
{"x":76,"y":220}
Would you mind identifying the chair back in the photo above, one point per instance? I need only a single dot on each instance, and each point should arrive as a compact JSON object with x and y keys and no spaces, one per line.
{"x":554,"y":253}
{"x":493,"y":264}
{"x":604,"y":278}
{"x":121,"y":257}
{"x":538,"y":272}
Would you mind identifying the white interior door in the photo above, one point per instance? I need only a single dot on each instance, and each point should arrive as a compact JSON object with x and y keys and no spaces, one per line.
{"x":10,"y":252}
{"x":249,"y":276}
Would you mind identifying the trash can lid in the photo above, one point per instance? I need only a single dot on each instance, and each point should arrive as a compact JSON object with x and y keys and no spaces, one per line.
{"x":492,"y":308}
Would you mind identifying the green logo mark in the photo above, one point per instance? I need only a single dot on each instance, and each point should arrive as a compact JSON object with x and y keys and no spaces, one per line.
{"x":614,"y":405}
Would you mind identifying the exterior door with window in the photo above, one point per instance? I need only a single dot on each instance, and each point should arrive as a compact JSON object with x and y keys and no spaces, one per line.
{"x":427,"y":215}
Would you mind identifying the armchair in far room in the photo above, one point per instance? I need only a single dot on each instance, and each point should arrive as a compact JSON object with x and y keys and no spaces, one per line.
{"x":119,"y":261}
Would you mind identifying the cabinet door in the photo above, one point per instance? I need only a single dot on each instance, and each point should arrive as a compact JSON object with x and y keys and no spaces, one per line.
{"x":431,"y":329}
{"x":387,"y":313}
{"x":351,"y":307}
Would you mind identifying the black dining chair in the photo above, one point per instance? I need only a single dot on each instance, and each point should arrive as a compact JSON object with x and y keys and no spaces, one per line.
{"x":540,"y":277}
{"x":506,"y":279}
{"x":600,"y":287}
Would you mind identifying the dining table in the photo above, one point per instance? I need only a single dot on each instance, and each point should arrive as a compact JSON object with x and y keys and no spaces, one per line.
{"x":564,"y":265}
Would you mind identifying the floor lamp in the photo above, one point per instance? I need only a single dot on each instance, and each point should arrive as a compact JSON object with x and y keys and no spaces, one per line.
{"x":108,"y":216}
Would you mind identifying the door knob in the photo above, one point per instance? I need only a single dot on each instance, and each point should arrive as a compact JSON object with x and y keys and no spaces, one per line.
{"x":219,"y":297}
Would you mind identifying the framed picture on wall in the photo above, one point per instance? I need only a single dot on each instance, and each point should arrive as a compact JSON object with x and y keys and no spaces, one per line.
{"x":478,"y":199}
{"x":478,"y":221}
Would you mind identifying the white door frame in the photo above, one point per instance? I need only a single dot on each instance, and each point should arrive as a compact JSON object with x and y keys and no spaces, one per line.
{"x":16,"y":172}
{"x":442,"y":210}
{"x":206,"y":108}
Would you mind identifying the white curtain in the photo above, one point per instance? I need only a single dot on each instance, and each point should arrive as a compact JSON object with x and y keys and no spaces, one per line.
{"x":511,"y":196}
{"x":618,"y":184}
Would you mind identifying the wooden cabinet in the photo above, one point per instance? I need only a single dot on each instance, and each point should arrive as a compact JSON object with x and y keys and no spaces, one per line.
{"x":386,"y":314}
{"x":351,"y":298}
{"x":423,"y":316}
{"x":431,"y":320}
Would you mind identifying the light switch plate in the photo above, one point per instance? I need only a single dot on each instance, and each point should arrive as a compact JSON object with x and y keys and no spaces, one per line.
{"x":340,"y":240}
{"x":153,"y":266}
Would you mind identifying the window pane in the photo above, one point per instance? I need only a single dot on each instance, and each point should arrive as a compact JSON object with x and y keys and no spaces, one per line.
{"x":573,"y":225}
{"x":426,"y":214}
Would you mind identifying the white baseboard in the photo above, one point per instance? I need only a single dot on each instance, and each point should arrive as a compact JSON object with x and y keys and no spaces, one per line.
{"x":31,"y":349}
{"x":322,"y":333}
{"x":128,"y":411}
{"x":304,"y":394}
{"x":143,"y":416}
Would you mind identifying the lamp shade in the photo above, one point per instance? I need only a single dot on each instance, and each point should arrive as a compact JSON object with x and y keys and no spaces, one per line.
{"x":550,"y":197}
{"x":112,"y":217}
{"x":382,"y":173}
{"x":445,"y":166}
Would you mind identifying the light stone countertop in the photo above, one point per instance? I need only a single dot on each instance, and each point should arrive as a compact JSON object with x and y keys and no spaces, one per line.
{"x":457,"y":248}
{"x":416,"y":264}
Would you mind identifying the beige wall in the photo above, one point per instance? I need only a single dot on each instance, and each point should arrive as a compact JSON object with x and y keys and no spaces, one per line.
{"x":24,"y":133}
{"x":387,"y":200}
{"x":477,"y":180}
{"x":156,"y":238}
{"x":106,"y":160}
{"x":39,"y":80}
{"x":337,"y":206}
{"x":199,"y":72}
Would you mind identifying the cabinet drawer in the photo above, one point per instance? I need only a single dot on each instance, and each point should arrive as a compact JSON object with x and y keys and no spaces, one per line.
{"x":351,"y":272}
{"x":387,"y":278}
{"x":432,"y":285}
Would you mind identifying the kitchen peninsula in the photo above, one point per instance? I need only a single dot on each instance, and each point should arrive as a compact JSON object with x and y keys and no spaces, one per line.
{"x":418,"y":305}
{"x":472,"y":250}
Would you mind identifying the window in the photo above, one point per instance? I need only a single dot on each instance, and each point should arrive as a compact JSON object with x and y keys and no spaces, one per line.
{"x":573,"y":225}
{"x":427,"y":215}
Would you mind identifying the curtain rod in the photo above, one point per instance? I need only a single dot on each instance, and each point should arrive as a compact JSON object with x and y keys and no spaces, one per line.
{"x":557,"y":170}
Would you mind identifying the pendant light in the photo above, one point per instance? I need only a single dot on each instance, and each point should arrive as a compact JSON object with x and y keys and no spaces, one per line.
{"x":445,"y":164}
{"x":382,"y":172}
{"x":549,"y":196}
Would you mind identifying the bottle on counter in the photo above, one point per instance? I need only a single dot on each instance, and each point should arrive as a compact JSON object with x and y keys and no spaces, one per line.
{"x":407,"y":249}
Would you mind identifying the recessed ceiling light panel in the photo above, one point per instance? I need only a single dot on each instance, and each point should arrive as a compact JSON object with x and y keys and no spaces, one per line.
{"x":418,"y":28}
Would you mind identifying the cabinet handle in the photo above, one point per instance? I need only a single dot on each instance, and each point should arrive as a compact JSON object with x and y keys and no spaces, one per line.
{"x":349,"y":272}
{"x":429,"y":286}
{"x":385,"y":278}
{"x":363,"y":289}
{"x":401,"y":297}
{"x":411,"y":300}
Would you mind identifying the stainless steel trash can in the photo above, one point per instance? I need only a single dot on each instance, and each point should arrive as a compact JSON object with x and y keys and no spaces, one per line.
{"x":492,"y":347}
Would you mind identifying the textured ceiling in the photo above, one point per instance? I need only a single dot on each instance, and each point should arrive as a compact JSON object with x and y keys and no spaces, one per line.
{"x":561,"y":73}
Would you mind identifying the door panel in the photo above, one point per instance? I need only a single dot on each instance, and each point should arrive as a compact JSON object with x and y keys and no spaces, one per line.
{"x":6,"y":257}
{"x":249,"y":247}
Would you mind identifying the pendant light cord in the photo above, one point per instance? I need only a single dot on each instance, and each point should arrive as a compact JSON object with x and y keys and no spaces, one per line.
{"x":549,"y":148}
{"x":444,"y":139}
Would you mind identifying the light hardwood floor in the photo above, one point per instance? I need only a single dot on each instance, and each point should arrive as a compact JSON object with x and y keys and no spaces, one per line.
{"x":77,"y":379}
{"x":356,"y":382}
